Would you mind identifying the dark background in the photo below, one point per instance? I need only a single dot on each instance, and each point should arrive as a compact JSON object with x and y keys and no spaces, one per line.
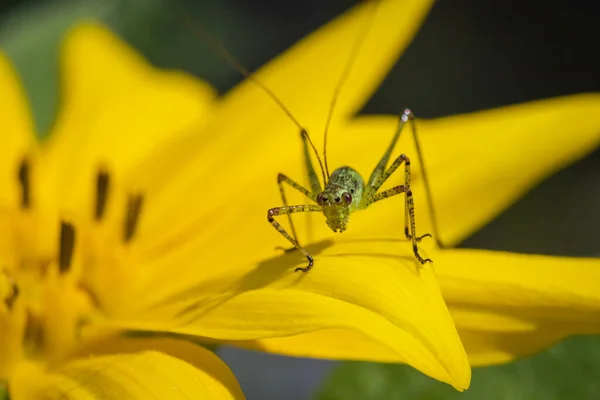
{"x":469,"y":55}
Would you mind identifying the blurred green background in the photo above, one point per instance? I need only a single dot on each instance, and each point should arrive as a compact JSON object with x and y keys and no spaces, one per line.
{"x":468,"y":56}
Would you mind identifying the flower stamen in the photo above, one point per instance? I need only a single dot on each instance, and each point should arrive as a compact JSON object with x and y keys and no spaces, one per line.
{"x":102,"y":184}
{"x":11,"y":290}
{"x":25,"y":184}
{"x":134,"y":207}
{"x":66,"y":246}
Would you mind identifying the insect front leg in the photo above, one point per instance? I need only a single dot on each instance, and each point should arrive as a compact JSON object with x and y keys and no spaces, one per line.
{"x":287,"y":210}
{"x":281,"y":179}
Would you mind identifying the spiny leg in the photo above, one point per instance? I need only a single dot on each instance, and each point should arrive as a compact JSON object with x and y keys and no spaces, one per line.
{"x":409,"y":208}
{"x":379,"y":175}
{"x":410,"y":211}
{"x":315,"y":186}
{"x":281,"y":179}
{"x":273,"y":212}
{"x":372,"y":190}
{"x":409,"y":216}
{"x":313,"y":180}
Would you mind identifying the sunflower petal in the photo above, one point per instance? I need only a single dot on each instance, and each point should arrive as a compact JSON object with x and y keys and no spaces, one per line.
{"x":483,"y":348}
{"x":132,"y":369}
{"x":457,"y":150}
{"x":505,"y":151}
{"x":314,"y":66}
{"x":524,"y":286}
{"x":376,"y":291}
{"x":116,"y":112}
{"x":493,"y":348}
{"x":300,"y":72}
{"x":18,"y":134}
{"x":304,"y":79}
{"x":507,"y":305}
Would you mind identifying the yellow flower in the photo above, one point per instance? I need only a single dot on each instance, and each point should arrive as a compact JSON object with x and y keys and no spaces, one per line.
{"x":146,"y":209}
{"x":72,"y":232}
{"x":504,"y":305}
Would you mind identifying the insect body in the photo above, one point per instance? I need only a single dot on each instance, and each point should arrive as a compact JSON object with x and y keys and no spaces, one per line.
{"x":346,"y":192}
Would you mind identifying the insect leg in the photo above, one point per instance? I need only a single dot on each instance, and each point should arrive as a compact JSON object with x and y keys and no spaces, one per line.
{"x":315,"y":186}
{"x":273,"y":212}
{"x":312,"y":177}
{"x":408,"y":202}
{"x":378,"y":176}
{"x":403,"y":158}
{"x":281,"y":179}
{"x":409,"y":206}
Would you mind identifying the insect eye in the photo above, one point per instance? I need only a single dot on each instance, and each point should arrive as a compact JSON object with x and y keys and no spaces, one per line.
{"x":320,"y":199}
{"x":347,"y":198}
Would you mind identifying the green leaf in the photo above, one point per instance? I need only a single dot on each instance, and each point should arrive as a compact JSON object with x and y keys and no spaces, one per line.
{"x":569,"y":370}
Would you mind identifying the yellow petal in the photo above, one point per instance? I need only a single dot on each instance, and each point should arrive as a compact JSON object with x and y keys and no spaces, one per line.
{"x":505,"y":306}
{"x":375,"y":291}
{"x":305,"y":76}
{"x":506,"y":152}
{"x":493,"y":348}
{"x":198,"y":218}
{"x":132,"y":369}
{"x":508,"y":305}
{"x":480,"y":163}
{"x":483,"y":348}
{"x":116,"y":112}
{"x":304,"y":79}
{"x":18,"y":134}
{"x":458,"y":151}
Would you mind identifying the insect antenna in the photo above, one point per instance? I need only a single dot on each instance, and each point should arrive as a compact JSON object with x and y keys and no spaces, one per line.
{"x":219,"y":49}
{"x":358,"y":42}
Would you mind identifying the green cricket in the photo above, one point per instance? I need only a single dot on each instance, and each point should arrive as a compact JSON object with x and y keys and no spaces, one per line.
{"x":345,"y":192}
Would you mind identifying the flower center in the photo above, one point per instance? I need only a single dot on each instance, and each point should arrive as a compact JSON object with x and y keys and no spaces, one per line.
{"x":55,"y":273}
{"x":43,"y":306}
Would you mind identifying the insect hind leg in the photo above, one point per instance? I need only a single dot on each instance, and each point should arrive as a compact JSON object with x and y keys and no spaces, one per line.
{"x":409,"y":206}
{"x":380,"y":175}
{"x":409,"y":212}
{"x":408,"y":116}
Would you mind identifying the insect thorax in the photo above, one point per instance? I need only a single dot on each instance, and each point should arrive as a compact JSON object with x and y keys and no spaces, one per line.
{"x":346,"y":179}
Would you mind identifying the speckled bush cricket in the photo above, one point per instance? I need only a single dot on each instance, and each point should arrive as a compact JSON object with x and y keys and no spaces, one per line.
{"x":344,"y":190}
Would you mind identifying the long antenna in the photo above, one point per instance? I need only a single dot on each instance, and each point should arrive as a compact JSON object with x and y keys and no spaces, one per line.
{"x":358,"y":42}
{"x":227,"y":56}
